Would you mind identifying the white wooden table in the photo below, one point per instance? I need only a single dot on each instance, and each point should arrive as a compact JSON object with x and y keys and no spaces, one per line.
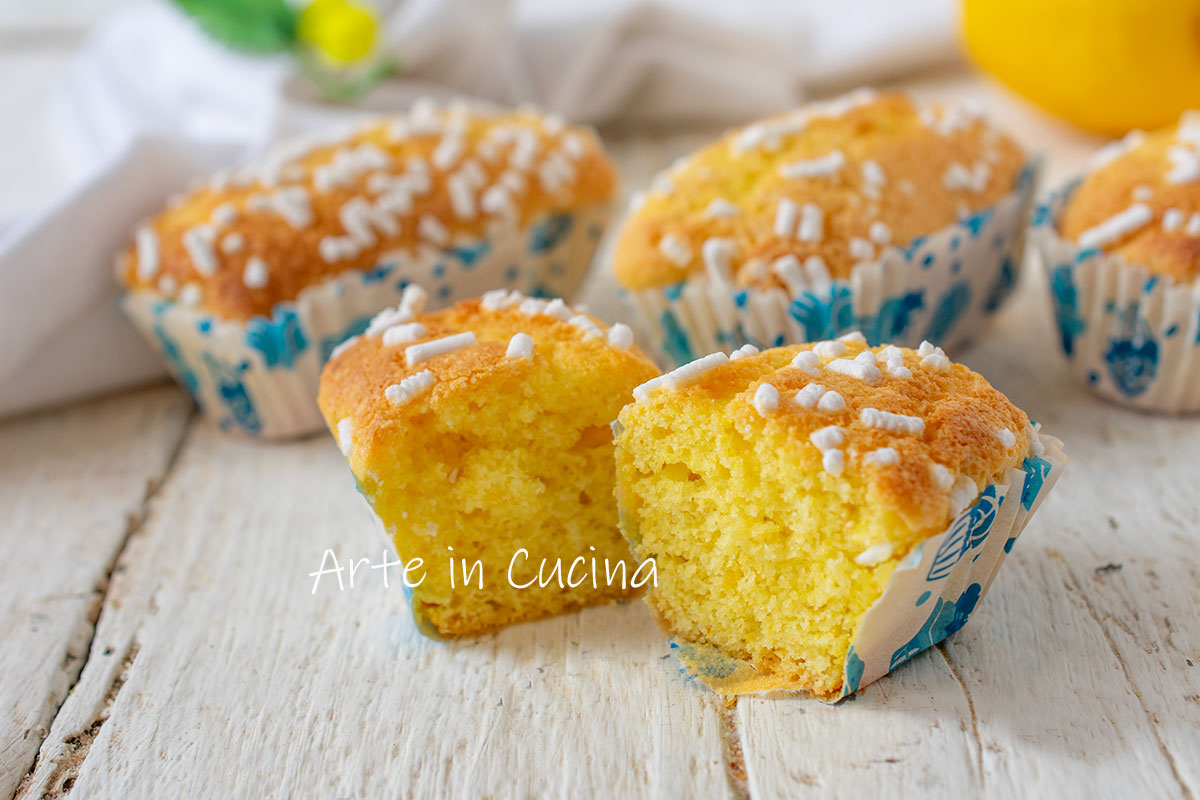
{"x":161,"y":637}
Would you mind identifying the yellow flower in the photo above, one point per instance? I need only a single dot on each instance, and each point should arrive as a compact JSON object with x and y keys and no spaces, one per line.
{"x":341,"y":31}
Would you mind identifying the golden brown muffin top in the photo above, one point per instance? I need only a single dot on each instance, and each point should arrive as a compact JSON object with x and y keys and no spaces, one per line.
{"x":924,"y":434}
{"x":835,"y":181}
{"x":408,"y":363}
{"x":319,"y":206}
{"x":1142,"y":201}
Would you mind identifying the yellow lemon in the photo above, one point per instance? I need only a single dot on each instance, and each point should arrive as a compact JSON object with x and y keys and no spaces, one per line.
{"x":1105,"y":65}
{"x":342,"y":31}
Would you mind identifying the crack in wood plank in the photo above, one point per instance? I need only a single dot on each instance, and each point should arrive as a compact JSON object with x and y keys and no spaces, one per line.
{"x":731,"y":745}
{"x":941,"y":648}
{"x":1073,"y":584}
{"x":80,"y":742}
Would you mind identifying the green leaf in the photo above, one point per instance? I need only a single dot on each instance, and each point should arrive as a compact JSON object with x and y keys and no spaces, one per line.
{"x":254,"y":26}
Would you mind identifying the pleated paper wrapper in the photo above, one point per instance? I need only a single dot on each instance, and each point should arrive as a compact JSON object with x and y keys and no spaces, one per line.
{"x":1132,"y":337}
{"x":259,"y":378}
{"x":942,"y":288}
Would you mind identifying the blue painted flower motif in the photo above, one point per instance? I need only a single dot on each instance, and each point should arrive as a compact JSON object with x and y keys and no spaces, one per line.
{"x":704,"y":661}
{"x":377,"y":273}
{"x":853,"y":671}
{"x":945,"y":619}
{"x":1066,"y":307}
{"x":968,"y":533}
{"x":824,"y":318}
{"x":893,"y":319}
{"x":549,"y":232}
{"x":279,"y":339}
{"x":675,"y":339}
{"x":233,"y":394}
{"x":468,"y":254}
{"x":1036,"y":470}
{"x":1132,"y":363}
{"x":328,"y":343}
{"x":948,"y":311}
{"x":1006,"y":283}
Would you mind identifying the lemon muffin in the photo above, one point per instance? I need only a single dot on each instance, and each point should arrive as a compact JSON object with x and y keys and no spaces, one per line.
{"x":1122,"y":250}
{"x":784,"y":494}
{"x":246,"y":282}
{"x":868,"y":211}
{"x":480,"y":433}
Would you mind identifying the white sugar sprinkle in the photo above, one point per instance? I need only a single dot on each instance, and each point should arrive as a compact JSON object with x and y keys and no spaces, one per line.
{"x":880,"y":232}
{"x":190,"y":294}
{"x":943,"y":476}
{"x":585,"y":324}
{"x":827,"y":438}
{"x":410,"y":388}
{"x":829,"y":349}
{"x":416,"y":353}
{"x":809,"y":395}
{"x":1193,"y":225}
{"x":786,"y":215}
{"x":821,"y":167}
{"x":962,"y":494}
{"x":198,"y":241}
{"x":620,"y":335}
{"x":1185,"y":165}
{"x":831,"y":401}
{"x":167,"y":285}
{"x":861,"y":249}
{"x":808,"y":361}
{"x":766,"y":399}
{"x":873,"y":174}
{"x":676,"y":250}
{"x":224,"y":214}
{"x":743,"y":351}
{"x":868,"y":373}
{"x":1173,"y":219}
{"x":812,"y":223}
{"x":875,"y":554}
{"x":497,"y":299}
{"x":717,"y":255}
{"x":787,"y":268}
{"x":896,"y":423}
{"x":1116,"y":226}
{"x":882,"y":457}
{"x":146,"y":243}
{"x":834,"y":462}
{"x":680,"y":376}
{"x":960,"y":178}
{"x":256,"y":274}
{"x":345,"y":432}
{"x":722,"y":208}
{"x":938,"y":362}
{"x":519,"y":346}
{"x":232,"y":243}
{"x":1007,"y":438}
{"x":855,"y":337}
{"x":403,"y":333}
{"x":432,"y":230}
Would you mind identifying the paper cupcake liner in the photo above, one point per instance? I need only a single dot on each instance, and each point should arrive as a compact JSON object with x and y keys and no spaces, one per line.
{"x":260,"y":377}
{"x":1131,"y":336}
{"x":931,"y":595}
{"x":941,"y":288}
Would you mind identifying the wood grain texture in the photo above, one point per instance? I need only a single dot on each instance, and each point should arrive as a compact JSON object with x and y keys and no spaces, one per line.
{"x":72,"y":487}
{"x":217,"y":673}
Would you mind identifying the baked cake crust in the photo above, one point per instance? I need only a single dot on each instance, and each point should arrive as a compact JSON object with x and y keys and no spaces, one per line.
{"x":315,"y":207}
{"x":836,"y":181}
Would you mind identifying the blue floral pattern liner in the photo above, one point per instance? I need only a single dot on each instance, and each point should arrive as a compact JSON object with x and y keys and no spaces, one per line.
{"x":931,"y":595}
{"x":260,"y":378}
{"x":941,"y":288}
{"x":1131,"y":337}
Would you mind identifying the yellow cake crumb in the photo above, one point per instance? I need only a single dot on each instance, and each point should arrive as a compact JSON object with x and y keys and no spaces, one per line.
{"x":483,"y":429}
{"x":777,"y":492}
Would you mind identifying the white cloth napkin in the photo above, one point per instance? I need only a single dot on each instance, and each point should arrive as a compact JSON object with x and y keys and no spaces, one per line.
{"x":150,"y":101}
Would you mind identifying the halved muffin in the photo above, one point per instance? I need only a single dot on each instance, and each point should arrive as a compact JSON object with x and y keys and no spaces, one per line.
{"x":481,"y":434}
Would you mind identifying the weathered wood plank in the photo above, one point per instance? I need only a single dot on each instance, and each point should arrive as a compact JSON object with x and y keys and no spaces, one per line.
{"x":217,"y":673}
{"x":72,"y":486}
